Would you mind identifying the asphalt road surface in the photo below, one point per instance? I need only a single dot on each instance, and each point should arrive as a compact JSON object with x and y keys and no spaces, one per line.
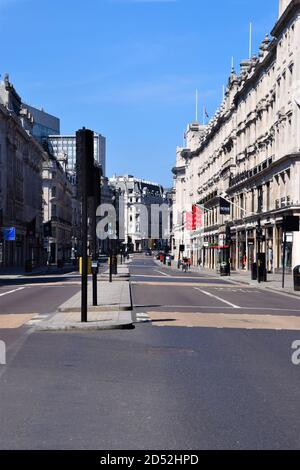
{"x":206,"y":367}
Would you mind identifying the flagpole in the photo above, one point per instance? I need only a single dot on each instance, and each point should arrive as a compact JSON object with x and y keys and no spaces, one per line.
{"x":196,"y":104}
{"x":250,"y":41}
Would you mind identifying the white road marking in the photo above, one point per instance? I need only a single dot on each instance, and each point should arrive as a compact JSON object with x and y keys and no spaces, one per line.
{"x":37,"y":319}
{"x":201,"y":307}
{"x":216,"y":297}
{"x":142,"y":318}
{"x":12,"y":291}
{"x":160,"y":272}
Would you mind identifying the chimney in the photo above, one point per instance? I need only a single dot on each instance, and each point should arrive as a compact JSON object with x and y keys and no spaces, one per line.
{"x":283,"y":4}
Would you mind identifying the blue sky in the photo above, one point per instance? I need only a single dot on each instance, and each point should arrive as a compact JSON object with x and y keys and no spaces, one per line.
{"x":128,"y":68}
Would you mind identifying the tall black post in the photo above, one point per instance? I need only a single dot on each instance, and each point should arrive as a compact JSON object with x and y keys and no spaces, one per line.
{"x":84,"y":266}
{"x":110,"y":261}
{"x":95,"y":202}
{"x":258,"y":257}
{"x":284,"y":251}
{"x":85,"y":165}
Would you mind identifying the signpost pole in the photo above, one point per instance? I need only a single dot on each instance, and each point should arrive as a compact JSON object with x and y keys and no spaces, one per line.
{"x":284,"y":251}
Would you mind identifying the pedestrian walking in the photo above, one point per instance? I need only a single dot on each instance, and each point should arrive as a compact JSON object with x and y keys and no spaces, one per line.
{"x":184,"y":266}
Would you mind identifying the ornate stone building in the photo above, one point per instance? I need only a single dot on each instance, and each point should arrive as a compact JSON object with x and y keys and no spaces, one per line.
{"x":142,"y":231}
{"x":59,"y":209}
{"x":249,"y":154}
{"x":21,"y":159}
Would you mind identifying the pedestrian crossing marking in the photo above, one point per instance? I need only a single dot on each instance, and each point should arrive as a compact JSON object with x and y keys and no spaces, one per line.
{"x":142,"y":318}
{"x":36,"y":319}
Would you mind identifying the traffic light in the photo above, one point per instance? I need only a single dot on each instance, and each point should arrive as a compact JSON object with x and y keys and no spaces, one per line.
{"x":85,"y":162}
{"x":259,"y":231}
{"x":228,"y":235}
{"x":47,"y":228}
{"x":97,"y":173}
{"x":291,"y":223}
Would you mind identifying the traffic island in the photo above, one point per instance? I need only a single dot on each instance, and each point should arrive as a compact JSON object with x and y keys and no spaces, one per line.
{"x":113,"y":296}
{"x":114,"y":310}
{"x":96,"y":321}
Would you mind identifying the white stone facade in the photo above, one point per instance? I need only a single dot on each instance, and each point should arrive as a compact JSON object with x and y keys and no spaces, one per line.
{"x":135,"y":193}
{"x":21,"y":159}
{"x":59,"y":208}
{"x":250,"y":154}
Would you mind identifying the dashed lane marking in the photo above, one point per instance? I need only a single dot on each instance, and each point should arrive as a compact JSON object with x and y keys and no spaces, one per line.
{"x":209,"y":307}
{"x":240,"y":290}
{"x":217,"y":298}
{"x":12,"y":291}
{"x":163,"y":274}
{"x":182,"y":284}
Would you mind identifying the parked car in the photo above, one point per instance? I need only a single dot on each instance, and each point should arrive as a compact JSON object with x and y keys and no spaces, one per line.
{"x":148,"y":253}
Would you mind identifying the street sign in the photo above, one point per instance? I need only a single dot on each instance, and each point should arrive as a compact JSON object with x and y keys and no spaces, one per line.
{"x":290,"y":223}
{"x":47,"y":228}
{"x":289,"y":237}
{"x":225,"y":206}
{"x":9,"y":234}
{"x":222,"y":239}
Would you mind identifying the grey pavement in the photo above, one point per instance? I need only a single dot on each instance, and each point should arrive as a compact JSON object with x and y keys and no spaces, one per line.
{"x":96,"y":321}
{"x":274,"y":281}
{"x":111,"y":296}
{"x":123,"y":273}
{"x":17,"y":273}
{"x":113,"y":309}
{"x":152,"y":388}
{"x":167,"y":384}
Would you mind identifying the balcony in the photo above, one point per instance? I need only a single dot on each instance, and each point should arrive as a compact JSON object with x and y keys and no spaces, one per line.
{"x":245,"y":175}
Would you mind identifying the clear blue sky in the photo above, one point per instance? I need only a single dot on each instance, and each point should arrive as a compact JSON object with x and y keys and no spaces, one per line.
{"x":128,"y":68}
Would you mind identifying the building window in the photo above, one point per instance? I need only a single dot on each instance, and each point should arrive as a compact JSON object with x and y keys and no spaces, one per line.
{"x":268,"y":189}
{"x":252,"y":201}
{"x":260,"y":199}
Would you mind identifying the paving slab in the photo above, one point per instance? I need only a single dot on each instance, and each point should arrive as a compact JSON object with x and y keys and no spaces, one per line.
{"x":223,"y":320}
{"x":113,"y":296}
{"x":96,"y":321}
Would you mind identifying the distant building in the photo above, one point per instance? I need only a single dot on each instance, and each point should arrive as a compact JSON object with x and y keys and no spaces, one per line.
{"x":21,"y":160}
{"x":65,"y":146}
{"x":249,"y":154}
{"x":44,"y":124}
{"x":135,"y":194}
{"x":58,"y":210}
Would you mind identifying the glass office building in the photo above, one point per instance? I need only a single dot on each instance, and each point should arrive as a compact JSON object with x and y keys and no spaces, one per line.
{"x":44,"y":124}
{"x":60,"y":145}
